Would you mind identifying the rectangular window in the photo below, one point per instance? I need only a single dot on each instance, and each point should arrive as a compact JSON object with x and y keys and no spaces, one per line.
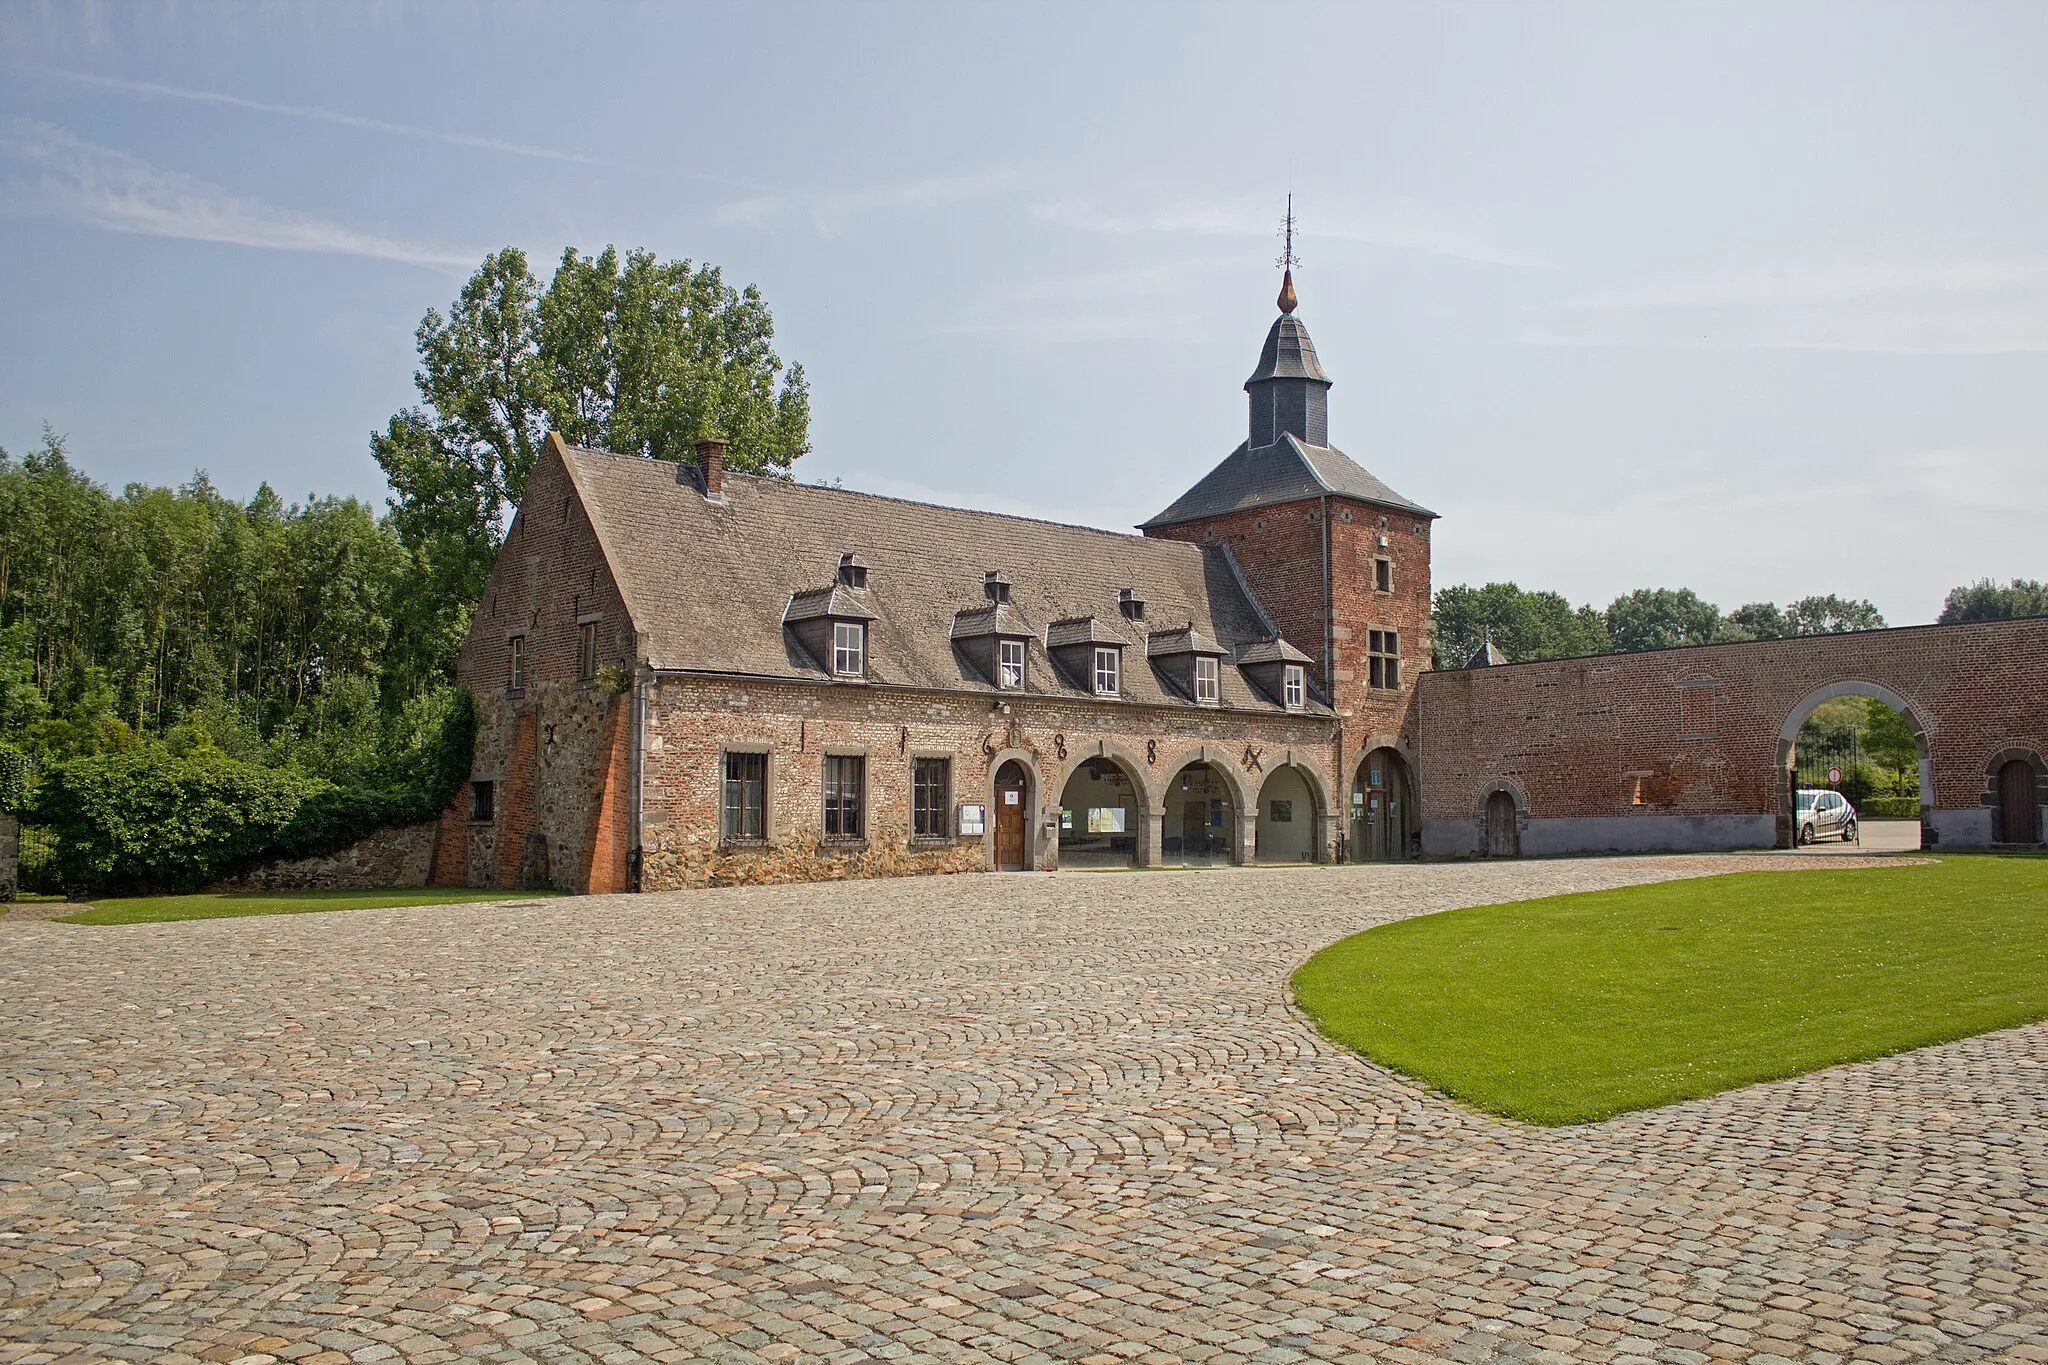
{"x":1105,"y":672}
{"x":930,"y":797}
{"x":1012,"y":663}
{"x":1205,"y":678}
{"x":845,"y":779}
{"x":1295,"y":687}
{"x":746,"y":796}
{"x":1383,"y":575}
{"x":483,"y":802}
{"x":586,"y":651}
{"x":1383,"y":659}
{"x":515,"y":664}
{"x":849,"y":649}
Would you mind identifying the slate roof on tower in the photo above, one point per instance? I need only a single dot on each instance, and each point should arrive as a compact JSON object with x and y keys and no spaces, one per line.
{"x":709,"y":585}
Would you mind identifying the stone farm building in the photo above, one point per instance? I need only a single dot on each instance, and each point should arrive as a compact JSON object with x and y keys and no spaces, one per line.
{"x":688,"y":676}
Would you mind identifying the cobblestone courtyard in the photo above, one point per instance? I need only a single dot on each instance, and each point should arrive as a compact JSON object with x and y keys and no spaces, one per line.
{"x":1022,"y":1118}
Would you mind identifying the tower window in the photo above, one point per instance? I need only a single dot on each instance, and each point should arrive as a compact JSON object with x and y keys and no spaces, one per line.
{"x":586,"y":651}
{"x":1383,"y":575}
{"x":515,"y":664}
{"x":1383,"y":659}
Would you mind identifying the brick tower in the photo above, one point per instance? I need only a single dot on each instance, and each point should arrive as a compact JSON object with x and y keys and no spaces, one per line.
{"x":1340,"y":563}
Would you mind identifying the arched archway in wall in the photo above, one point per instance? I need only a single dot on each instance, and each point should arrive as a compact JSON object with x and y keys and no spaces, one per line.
{"x":1199,"y":811}
{"x":1384,"y":815}
{"x":1102,"y":814}
{"x":1289,"y":822}
{"x":1808,"y":805}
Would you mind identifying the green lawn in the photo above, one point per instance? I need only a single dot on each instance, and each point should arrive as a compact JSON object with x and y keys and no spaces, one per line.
{"x":209,"y":905}
{"x":1575,"y":1008}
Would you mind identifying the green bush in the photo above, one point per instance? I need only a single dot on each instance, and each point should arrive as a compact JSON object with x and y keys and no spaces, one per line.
{"x":167,"y":819}
{"x":1889,"y":808}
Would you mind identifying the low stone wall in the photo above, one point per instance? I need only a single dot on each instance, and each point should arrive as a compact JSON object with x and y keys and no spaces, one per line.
{"x":390,"y":857}
{"x":673,"y":860}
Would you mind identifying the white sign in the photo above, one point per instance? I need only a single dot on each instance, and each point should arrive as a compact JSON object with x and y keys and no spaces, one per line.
{"x":1834,"y":777}
{"x":971,"y":817}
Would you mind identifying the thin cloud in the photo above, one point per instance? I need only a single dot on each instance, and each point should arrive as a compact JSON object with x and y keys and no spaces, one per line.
{"x":314,"y":114}
{"x":47,"y":172}
{"x":1155,"y":302}
{"x":829,"y":211}
{"x":1401,"y":225}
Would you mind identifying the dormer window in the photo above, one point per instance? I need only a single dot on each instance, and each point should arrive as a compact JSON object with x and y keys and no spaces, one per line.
{"x":1106,"y":672}
{"x":995,"y":587}
{"x":1295,"y":688}
{"x":1010,"y":671}
{"x":1206,"y":689}
{"x":1130,"y":604}
{"x":849,"y":648}
{"x":852,"y":573}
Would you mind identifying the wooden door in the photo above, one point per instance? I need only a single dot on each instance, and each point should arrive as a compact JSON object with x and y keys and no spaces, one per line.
{"x":1012,"y":802}
{"x":1500,"y":826}
{"x":2019,"y":813}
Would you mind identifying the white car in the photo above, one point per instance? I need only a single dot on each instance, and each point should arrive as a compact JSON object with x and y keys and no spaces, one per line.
{"x":1826,"y":815}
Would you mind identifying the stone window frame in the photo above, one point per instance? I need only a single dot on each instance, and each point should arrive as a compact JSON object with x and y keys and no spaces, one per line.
{"x":515,"y":664}
{"x":1382,"y":659}
{"x":1209,"y":671}
{"x":587,"y":647}
{"x":1294,"y":687}
{"x":1112,"y":675}
{"x":945,"y":834}
{"x":768,"y":766}
{"x":1383,"y":575}
{"x":485,"y":785}
{"x":1004,"y":645}
{"x":858,"y":649}
{"x":863,"y":808}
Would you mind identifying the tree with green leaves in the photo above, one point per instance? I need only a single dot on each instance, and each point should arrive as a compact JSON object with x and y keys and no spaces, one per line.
{"x":1985,"y":600}
{"x":1825,"y":615}
{"x":624,"y":353}
{"x":1661,"y":618}
{"x":1526,"y":625}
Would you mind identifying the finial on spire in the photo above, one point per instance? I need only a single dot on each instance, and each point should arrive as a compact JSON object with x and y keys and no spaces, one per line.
{"x":1287,"y":261}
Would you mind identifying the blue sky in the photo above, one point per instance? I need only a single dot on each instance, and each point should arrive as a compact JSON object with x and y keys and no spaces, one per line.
{"x":1747,"y":298}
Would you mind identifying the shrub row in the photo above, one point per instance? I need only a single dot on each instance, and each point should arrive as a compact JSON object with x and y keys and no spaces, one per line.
{"x":1888,"y":807}
{"x":154,"y":820}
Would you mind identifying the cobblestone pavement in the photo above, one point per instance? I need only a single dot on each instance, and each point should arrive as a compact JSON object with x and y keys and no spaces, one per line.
{"x":1028,"y":1118}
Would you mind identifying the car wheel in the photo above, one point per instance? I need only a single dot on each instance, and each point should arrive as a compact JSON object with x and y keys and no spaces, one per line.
{"x":1849,"y":832}
{"x":1806,"y":834}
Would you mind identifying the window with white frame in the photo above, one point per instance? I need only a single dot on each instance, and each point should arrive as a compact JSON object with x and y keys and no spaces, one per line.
{"x":1105,"y":672}
{"x":1294,"y":686}
{"x":1205,"y":678}
{"x":849,"y":648}
{"x":1383,"y":659}
{"x":1011,"y":664}
{"x":515,"y":664}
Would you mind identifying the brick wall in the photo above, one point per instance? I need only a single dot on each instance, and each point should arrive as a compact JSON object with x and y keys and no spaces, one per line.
{"x":1280,"y":550}
{"x":1682,"y":748}
{"x":693,"y":721}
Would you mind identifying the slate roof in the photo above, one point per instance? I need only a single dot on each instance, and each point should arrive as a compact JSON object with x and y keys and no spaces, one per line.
{"x":1083,"y":630}
{"x":1275,"y":650}
{"x":847,"y":604}
{"x":1187,"y":640}
{"x":707,"y":584}
{"x":1289,"y":470}
{"x":994,"y":618}
{"x":1288,"y":353}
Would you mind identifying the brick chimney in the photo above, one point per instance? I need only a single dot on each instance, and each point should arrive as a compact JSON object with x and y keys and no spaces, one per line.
{"x":711,"y":465}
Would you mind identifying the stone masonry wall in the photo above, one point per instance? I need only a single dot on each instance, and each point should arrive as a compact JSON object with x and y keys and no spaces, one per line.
{"x":390,"y":857}
{"x":694,"y":721}
{"x":1681,"y":747}
{"x":10,"y":856}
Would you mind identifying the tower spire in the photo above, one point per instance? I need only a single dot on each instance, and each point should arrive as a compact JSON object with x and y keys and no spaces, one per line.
{"x":1287,"y":300}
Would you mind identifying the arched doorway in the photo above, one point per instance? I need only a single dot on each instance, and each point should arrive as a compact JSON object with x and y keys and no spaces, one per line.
{"x":1287,"y":818}
{"x":1101,"y":816}
{"x":2019,"y":804}
{"x":1013,"y":817}
{"x":1503,"y":837}
{"x":1382,"y":808}
{"x":1854,"y":764}
{"x":1199,"y":825}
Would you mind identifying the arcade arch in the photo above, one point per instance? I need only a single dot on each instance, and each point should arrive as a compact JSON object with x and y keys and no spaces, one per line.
{"x":1289,"y":821}
{"x":1102,"y":814}
{"x":1198,"y":817}
{"x":1384,"y":817}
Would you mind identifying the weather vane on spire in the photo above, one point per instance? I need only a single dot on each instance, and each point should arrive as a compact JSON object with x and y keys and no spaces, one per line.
{"x":1288,"y":260}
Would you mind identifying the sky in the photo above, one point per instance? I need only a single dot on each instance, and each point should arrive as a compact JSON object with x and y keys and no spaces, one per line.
{"x":1747,"y":298}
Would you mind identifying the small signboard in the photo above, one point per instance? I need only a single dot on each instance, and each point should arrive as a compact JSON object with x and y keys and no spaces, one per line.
{"x":1834,"y":777}
{"x":971,"y":817}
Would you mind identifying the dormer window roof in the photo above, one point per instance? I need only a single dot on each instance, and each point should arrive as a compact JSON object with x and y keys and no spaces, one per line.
{"x":1081,"y":630}
{"x":1186,"y":640}
{"x":996,"y":618}
{"x":852,"y":572}
{"x":837,"y":602}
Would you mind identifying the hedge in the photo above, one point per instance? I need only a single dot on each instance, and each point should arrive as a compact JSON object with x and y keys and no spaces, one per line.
{"x":151,"y":820}
{"x":1889,"y":807}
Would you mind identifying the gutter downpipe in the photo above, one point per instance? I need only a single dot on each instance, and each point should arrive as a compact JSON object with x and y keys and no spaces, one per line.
{"x":1330,"y":675}
{"x":636,"y":854}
